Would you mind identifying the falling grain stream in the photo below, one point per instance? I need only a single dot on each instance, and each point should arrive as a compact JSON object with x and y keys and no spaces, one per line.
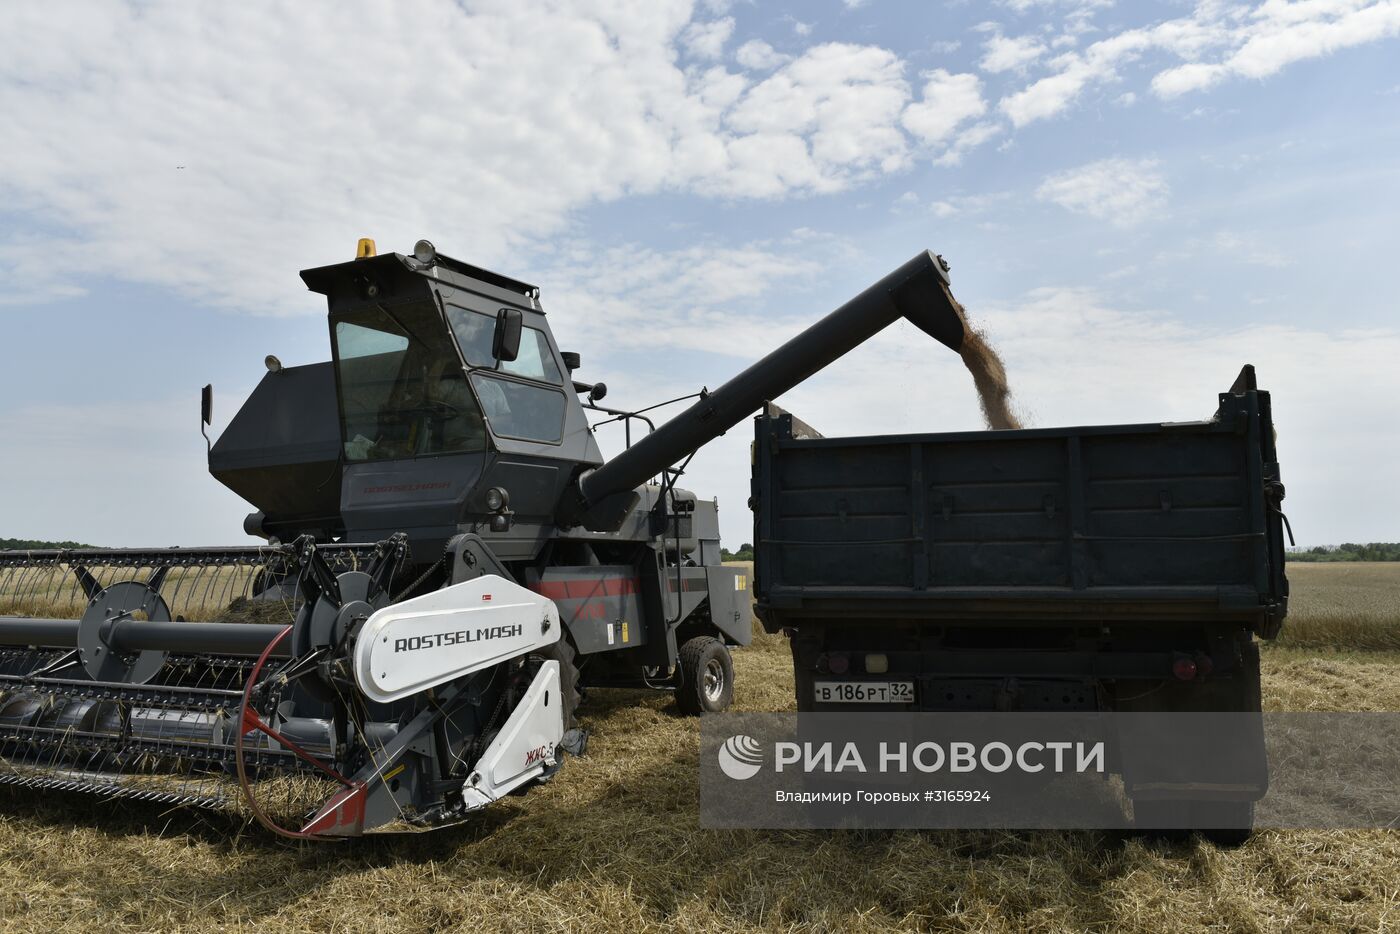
{"x":988,"y":374}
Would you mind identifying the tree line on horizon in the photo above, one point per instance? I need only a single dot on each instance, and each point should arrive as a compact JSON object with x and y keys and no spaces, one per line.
{"x":26,"y":544}
{"x":1350,"y":551}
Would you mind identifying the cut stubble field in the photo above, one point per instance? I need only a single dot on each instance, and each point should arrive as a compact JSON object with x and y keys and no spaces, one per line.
{"x":614,"y":843}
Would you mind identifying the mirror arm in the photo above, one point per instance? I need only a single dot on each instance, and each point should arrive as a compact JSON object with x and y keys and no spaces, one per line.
{"x":206,"y":415}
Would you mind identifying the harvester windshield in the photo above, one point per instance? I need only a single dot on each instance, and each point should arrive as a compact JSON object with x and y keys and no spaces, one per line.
{"x":401,"y":386}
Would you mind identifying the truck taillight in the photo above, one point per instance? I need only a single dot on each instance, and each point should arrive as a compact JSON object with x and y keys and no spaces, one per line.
{"x":838,"y":662}
{"x":1184,"y":668}
{"x":877,"y":663}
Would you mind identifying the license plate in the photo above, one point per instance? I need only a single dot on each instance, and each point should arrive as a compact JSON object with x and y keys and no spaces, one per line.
{"x":864,"y":692}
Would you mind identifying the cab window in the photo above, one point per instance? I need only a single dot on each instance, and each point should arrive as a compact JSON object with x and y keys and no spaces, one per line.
{"x":520,"y":410}
{"x":535,"y":360}
{"x":475,"y":331}
{"x":402,"y":392}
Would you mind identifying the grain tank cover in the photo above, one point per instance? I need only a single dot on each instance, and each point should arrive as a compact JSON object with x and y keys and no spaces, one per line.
{"x":281,"y":452}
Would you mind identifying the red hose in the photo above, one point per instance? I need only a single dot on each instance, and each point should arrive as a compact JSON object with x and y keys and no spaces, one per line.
{"x":250,"y":720}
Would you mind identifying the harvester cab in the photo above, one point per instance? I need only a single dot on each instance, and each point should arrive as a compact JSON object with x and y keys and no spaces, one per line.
{"x":448,"y":560}
{"x":447,"y":404}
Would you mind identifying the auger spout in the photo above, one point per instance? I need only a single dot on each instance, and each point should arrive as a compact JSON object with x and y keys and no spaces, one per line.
{"x":917,"y":291}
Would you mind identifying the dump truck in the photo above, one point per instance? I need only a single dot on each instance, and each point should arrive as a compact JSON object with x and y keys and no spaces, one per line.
{"x":1104,"y":568}
{"x":446,"y":560}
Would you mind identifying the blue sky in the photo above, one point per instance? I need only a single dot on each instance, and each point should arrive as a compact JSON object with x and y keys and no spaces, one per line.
{"x":1136,"y":199}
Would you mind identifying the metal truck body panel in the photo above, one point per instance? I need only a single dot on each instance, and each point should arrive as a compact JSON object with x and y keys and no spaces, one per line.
{"x":1128,"y":521}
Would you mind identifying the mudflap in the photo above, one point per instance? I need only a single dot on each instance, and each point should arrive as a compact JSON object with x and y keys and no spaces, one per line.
{"x":1189,"y":749}
{"x":1193,"y":756}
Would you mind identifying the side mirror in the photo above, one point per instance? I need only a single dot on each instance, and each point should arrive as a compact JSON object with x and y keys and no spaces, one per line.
{"x":598,"y":391}
{"x":506,"y":343}
{"x":206,"y":405}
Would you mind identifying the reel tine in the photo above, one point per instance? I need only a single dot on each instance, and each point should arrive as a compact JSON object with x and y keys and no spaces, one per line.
{"x":208,"y":606}
{"x":231,"y":574}
{"x":23,"y":586}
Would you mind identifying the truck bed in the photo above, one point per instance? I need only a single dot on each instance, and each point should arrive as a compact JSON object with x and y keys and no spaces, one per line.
{"x":1100,"y":522}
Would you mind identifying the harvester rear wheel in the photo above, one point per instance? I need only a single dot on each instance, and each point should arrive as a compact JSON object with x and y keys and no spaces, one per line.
{"x":704,"y":677}
{"x":564,"y":653}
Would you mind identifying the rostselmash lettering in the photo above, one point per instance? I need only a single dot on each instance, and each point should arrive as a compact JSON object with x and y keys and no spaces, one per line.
{"x":440,"y":640}
{"x":994,"y":757}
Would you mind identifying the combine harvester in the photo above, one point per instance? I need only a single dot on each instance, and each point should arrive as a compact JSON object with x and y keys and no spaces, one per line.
{"x":448,"y":559}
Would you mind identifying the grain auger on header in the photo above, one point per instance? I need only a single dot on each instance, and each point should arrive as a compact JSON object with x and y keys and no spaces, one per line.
{"x":447,"y":561}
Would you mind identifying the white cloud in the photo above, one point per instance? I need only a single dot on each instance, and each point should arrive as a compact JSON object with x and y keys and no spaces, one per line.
{"x":944,"y":46}
{"x":706,"y":40}
{"x":483,"y":131}
{"x":1120,"y":191}
{"x":967,"y":140}
{"x":1075,"y":71}
{"x":1216,"y":41}
{"x":1008,"y":54}
{"x":948,"y":101}
{"x":835,"y":107}
{"x":1279,"y":34}
{"x":759,"y":55}
{"x":633,"y":295}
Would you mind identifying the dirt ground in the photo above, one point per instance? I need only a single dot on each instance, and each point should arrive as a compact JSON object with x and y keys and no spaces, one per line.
{"x":614,"y":844}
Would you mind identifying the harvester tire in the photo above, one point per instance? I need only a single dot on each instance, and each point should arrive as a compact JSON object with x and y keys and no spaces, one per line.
{"x":564,"y":653}
{"x":704,"y":677}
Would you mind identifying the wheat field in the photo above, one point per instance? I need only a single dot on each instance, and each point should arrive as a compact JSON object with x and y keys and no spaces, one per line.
{"x":1349,"y":605}
{"x":613,"y":844}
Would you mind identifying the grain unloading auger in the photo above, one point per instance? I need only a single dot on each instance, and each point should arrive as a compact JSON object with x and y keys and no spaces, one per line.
{"x":406,"y":682}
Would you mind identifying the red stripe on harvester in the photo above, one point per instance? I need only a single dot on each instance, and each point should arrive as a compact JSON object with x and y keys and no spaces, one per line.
{"x":587,"y":588}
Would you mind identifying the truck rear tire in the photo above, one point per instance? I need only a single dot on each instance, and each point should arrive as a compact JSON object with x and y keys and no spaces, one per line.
{"x":704,"y":677}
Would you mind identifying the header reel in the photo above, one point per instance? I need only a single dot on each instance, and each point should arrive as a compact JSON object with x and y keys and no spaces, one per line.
{"x":262,"y":706}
